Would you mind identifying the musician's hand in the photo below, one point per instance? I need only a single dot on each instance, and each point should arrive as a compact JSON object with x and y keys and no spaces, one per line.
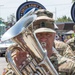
{"x":19,"y":58}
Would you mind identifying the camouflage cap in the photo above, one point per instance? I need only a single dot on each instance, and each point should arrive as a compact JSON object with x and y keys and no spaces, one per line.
{"x":44,"y":12}
{"x":44,"y":19}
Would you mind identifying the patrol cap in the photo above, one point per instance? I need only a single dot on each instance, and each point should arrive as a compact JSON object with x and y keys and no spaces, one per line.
{"x":43,"y":21}
{"x":44,"y":14}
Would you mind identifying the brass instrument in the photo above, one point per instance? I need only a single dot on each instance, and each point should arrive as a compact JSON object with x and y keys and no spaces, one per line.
{"x":36,"y":60}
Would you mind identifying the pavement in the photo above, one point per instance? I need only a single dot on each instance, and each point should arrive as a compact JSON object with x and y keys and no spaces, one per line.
{"x":2,"y":64}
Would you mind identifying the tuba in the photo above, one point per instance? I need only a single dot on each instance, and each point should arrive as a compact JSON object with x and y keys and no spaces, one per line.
{"x":36,"y":60}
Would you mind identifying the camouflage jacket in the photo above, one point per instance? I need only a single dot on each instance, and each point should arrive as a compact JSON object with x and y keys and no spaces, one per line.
{"x":64,"y":49}
{"x":64,"y":66}
{"x":71,"y":43}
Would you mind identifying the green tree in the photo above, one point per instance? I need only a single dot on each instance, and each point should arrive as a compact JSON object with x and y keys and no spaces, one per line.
{"x":1,"y":19}
{"x":73,"y":0}
{"x":11,"y":19}
{"x":64,"y":19}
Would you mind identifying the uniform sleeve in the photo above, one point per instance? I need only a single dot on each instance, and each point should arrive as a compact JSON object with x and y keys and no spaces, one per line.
{"x":71,"y":43}
{"x":64,"y":49}
{"x":67,"y":67}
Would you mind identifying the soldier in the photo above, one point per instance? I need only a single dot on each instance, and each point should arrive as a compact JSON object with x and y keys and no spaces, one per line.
{"x":63,"y":48}
{"x":43,"y":27}
{"x":71,"y":41}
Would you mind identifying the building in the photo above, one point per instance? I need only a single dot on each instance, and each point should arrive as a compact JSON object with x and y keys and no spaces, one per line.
{"x":64,"y":27}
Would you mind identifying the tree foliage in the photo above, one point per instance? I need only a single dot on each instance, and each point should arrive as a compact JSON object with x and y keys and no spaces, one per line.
{"x":73,"y":0}
{"x":64,"y":19}
{"x":11,"y":19}
{"x":1,"y":19}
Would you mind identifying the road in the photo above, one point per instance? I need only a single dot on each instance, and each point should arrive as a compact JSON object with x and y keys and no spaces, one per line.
{"x":2,"y":64}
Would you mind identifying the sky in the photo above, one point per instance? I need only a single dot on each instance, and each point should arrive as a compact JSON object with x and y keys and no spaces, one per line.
{"x":59,"y":8}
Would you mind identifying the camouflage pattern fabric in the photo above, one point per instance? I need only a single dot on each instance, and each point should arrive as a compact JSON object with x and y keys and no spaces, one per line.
{"x":54,"y":61}
{"x":71,"y":43}
{"x":63,"y":68}
{"x":64,"y":49}
{"x":67,"y":68}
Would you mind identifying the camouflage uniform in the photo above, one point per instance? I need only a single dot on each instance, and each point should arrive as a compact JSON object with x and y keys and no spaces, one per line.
{"x":64,"y":49}
{"x":66,"y":68}
{"x":71,"y":43}
{"x":63,"y":66}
